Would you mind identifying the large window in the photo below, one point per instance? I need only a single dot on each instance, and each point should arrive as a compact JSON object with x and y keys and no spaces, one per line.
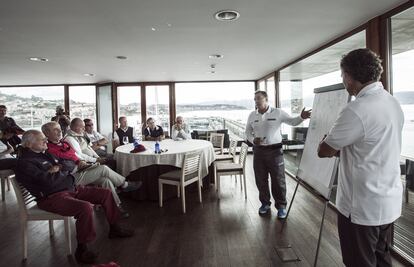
{"x":216,"y":105}
{"x":158,"y":105}
{"x":82,"y":102}
{"x":297,"y":83}
{"x":129,"y":105}
{"x":402,"y":39}
{"x":31,"y":107}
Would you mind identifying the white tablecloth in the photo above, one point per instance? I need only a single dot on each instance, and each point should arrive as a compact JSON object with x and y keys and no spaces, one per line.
{"x":127,"y":162}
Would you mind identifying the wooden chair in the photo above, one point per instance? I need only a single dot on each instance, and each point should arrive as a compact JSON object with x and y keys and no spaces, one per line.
{"x":231,"y":156}
{"x":189,"y":173}
{"x":217,"y":139}
{"x":231,"y":168}
{"x":30,"y":212}
{"x":4,"y":177}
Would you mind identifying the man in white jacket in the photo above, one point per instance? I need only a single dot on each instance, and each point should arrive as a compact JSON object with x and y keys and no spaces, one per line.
{"x":180,"y":130}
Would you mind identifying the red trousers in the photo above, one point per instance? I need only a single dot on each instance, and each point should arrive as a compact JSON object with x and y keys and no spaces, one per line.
{"x":80,"y":205}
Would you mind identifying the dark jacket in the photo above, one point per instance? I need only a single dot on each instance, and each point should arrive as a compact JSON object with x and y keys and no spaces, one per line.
{"x":129,"y":133}
{"x":32,"y":172}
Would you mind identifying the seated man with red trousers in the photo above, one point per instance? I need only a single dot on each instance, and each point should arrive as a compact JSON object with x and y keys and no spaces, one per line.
{"x":50,"y":181}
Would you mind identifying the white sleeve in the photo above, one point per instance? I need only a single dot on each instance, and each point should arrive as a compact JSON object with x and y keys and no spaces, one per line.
{"x":184,"y":134}
{"x":100,"y":136}
{"x":174,"y":133}
{"x":187,"y":132}
{"x":75,"y":145}
{"x":347,"y":130}
{"x":249,"y":129}
{"x":286,"y":118}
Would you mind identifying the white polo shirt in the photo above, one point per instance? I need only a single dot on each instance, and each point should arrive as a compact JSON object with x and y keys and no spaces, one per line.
{"x":268,"y":125}
{"x":368,"y":134}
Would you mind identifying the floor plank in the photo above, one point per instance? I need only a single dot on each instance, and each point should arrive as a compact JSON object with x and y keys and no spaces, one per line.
{"x":225,"y":232}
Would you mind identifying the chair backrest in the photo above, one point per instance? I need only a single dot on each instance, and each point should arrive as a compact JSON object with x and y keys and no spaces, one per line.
{"x":243,"y":154}
{"x":217,"y":139}
{"x":24,"y":198}
{"x":233,"y":147}
{"x":226,"y":142}
{"x":191,"y":165}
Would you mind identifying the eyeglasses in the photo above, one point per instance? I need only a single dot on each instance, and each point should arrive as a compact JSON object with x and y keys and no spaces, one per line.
{"x":89,"y":125}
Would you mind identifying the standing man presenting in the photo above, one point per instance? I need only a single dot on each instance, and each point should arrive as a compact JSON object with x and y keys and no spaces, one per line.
{"x":367,"y":134}
{"x":263,"y":130}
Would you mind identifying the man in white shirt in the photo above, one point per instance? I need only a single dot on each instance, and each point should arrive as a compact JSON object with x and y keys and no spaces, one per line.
{"x":263,"y":130}
{"x":98,"y":141}
{"x":75,"y":136}
{"x":180,"y":130}
{"x":367,"y":134}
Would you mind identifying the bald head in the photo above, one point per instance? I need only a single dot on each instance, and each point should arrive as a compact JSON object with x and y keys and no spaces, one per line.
{"x":77,"y":125}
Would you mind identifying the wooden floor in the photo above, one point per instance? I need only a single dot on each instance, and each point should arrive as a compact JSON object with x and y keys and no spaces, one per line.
{"x":225,"y":232}
{"x":404,"y":229}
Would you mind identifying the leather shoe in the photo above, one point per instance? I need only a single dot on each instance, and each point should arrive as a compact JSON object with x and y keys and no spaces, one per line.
{"x":132,"y":186}
{"x":117,"y":231}
{"x":124,"y":213}
{"x":85,"y":256}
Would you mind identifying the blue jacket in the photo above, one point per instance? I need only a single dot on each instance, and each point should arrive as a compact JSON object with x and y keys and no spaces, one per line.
{"x":32,"y":172}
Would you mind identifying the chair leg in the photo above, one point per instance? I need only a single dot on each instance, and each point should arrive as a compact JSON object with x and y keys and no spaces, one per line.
{"x":183,"y":197}
{"x":218,"y":186}
{"x":51,"y":229}
{"x":199,"y":191}
{"x":8,"y":184}
{"x":67,"y":233}
{"x":240,"y":176}
{"x":406,"y":194}
{"x":24,"y":239}
{"x":215,"y":177}
{"x":245,"y":188}
{"x":178,"y":191}
{"x":160,"y":193}
{"x":3,"y":188}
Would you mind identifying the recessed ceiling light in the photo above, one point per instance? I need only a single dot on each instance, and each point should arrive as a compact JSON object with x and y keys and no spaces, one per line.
{"x":153,"y":29}
{"x":215,"y":56}
{"x":169,"y":24}
{"x":88,"y":74}
{"x":227,"y":15}
{"x":121,"y":57}
{"x":38,"y":59}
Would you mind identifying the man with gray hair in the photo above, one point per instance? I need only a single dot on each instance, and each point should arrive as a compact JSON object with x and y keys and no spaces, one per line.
{"x":50,"y":181}
{"x":180,"y":130}
{"x":84,"y":172}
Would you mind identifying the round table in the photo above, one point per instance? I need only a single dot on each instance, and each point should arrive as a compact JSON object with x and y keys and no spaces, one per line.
{"x":174,"y":155}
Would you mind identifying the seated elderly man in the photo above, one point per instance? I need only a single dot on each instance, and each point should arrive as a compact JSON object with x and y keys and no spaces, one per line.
{"x":153,"y":132}
{"x":50,"y":181}
{"x":98,"y":141}
{"x":86,"y":173}
{"x":75,"y":136}
{"x":180,"y":130}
